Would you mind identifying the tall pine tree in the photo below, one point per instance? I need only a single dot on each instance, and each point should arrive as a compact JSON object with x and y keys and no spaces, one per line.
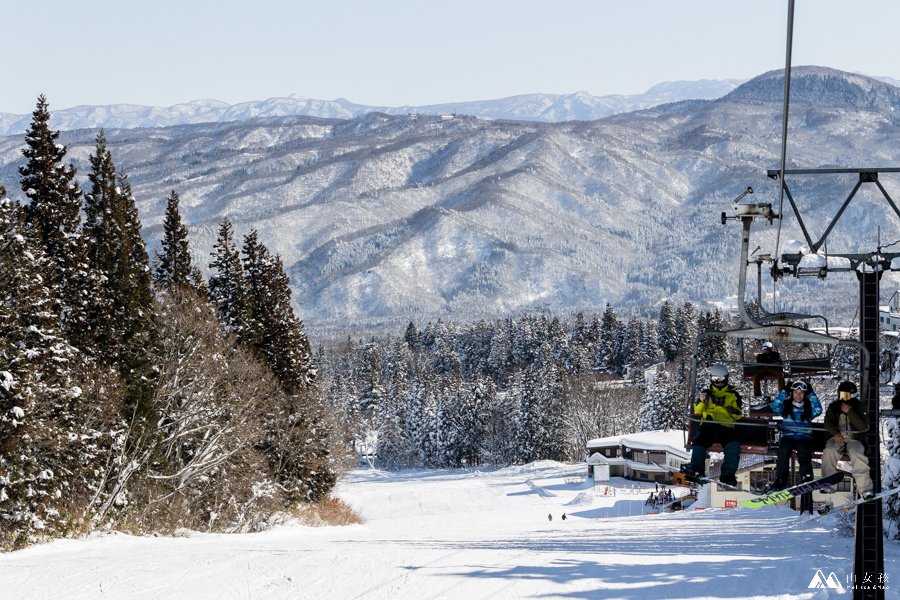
{"x":173,"y":259}
{"x":54,"y":426}
{"x":227,"y":288}
{"x":297,"y":445}
{"x":53,"y":224}
{"x":117,"y":253}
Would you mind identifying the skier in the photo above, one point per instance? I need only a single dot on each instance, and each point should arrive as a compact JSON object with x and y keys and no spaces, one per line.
{"x":718,"y":406}
{"x":798,"y":412}
{"x":846,"y":420}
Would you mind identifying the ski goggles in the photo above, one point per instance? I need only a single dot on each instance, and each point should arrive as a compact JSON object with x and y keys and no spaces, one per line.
{"x":798,"y":385}
{"x":718,"y":380}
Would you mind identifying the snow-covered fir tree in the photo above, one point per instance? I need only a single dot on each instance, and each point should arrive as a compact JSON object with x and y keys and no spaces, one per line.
{"x":227,"y":285}
{"x":662,"y":405}
{"x":117,"y":255}
{"x":667,"y":332}
{"x":57,"y":412}
{"x":296,"y":443}
{"x":53,"y":223}
{"x":173,"y":265}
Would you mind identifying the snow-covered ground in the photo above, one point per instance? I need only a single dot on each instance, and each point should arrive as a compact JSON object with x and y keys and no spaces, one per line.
{"x":465,"y":534}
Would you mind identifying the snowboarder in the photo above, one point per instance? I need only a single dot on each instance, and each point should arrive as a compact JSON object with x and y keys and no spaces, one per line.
{"x":846,"y":421}
{"x":718,"y":407}
{"x":798,"y":411}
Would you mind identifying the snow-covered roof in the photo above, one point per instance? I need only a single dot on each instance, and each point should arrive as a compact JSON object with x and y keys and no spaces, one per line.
{"x":671,"y":441}
{"x":597,"y":459}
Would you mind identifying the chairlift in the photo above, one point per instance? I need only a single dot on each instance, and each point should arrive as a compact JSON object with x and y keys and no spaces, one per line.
{"x":759,"y":431}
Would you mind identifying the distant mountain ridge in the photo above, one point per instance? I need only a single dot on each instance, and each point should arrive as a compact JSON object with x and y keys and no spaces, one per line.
{"x":381,"y":218}
{"x":530,"y":107}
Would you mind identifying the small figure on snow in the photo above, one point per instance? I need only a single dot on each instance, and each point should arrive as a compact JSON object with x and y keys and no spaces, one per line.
{"x":564,"y":517}
{"x":550,"y":517}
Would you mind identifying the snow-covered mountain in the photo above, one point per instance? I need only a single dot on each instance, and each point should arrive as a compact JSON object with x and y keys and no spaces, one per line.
{"x":529,"y":107}
{"x":382,"y":217}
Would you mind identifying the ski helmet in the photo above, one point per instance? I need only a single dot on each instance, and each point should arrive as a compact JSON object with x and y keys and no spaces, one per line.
{"x":718,"y":373}
{"x":768,"y":346}
{"x":847,"y":386}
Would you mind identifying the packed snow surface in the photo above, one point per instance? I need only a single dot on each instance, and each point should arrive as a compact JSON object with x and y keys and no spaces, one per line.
{"x":475,"y":533}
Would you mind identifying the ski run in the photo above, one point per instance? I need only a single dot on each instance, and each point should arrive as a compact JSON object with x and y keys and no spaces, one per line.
{"x":470,"y":533}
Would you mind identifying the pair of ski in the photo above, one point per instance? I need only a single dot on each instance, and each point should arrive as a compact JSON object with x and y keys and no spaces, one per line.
{"x":855,"y":503}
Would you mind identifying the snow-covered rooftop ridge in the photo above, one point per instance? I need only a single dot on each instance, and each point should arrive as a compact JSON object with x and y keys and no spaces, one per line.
{"x":671,"y":441}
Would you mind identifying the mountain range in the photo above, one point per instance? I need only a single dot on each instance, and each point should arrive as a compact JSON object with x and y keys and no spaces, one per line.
{"x":382,"y":218}
{"x":529,"y":107}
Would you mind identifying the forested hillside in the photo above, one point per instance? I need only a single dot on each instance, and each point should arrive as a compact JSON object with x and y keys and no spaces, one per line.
{"x":381,"y":219}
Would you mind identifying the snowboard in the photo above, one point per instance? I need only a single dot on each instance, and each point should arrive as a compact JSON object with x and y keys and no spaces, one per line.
{"x":793,"y":491}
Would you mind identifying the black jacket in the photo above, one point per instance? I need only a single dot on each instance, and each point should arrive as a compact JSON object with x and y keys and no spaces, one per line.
{"x":857,"y":417}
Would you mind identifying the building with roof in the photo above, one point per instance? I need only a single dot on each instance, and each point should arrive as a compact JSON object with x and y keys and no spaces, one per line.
{"x":638,"y":456}
{"x":641,"y":456}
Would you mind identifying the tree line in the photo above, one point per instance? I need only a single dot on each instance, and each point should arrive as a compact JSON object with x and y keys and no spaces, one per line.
{"x":510,"y":390}
{"x":133,"y":393}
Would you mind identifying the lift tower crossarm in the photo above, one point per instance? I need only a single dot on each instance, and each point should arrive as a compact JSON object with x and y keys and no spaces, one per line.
{"x":866,"y":175}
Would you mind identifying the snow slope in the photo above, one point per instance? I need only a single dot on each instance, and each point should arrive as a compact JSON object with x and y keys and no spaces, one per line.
{"x":464,"y":534}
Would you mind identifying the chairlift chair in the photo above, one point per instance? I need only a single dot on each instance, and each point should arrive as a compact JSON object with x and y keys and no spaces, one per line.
{"x":760,"y":431}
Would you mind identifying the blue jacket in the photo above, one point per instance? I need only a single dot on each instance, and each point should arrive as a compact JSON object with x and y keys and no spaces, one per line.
{"x":794,"y":426}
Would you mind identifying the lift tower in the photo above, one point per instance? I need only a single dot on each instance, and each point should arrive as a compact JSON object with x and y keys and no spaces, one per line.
{"x":868,"y":563}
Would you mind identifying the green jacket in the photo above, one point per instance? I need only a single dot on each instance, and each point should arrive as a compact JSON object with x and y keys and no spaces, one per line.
{"x":722,"y":405}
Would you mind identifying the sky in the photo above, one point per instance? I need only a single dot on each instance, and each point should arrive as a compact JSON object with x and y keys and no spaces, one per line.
{"x":415,"y":52}
{"x":468,"y":533}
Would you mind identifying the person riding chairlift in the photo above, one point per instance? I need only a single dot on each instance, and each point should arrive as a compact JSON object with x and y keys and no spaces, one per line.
{"x":718,"y":406}
{"x":768,"y":367}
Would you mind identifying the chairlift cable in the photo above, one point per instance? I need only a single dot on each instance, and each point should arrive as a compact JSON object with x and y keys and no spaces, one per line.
{"x":784,"y":122}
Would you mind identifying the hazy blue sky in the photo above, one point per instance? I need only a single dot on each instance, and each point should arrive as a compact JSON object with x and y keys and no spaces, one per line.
{"x":398,"y":52}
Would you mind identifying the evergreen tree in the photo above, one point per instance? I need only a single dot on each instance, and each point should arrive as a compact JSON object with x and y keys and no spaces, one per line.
{"x":581,"y":345}
{"x":667,"y":332}
{"x":55,"y":411}
{"x":687,"y":329}
{"x":52,"y":216}
{"x":412,"y":337}
{"x":297,"y":443}
{"x":227,"y":287}
{"x":632,"y":355}
{"x":53,"y":223}
{"x":713,"y":347}
{"x":609,"y":329}
{"x":116,"y":252}
{"x":661,"y":406}
{"x":276,"y":331}
{"x":173,"y":259}
{"x":416,"y":424}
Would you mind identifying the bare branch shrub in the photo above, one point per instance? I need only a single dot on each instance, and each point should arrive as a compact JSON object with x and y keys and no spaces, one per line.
{"x":203,"y":470}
